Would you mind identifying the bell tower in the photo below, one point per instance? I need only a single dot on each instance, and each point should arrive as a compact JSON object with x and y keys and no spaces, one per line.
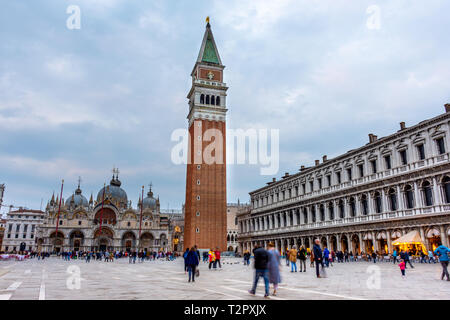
{"x":206,"y":187}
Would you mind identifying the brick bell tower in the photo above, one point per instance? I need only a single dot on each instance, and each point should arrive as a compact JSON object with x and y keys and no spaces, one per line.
{"x":206,"y":186}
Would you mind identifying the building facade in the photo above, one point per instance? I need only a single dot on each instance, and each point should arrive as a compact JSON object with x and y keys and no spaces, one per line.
{"x":206,"y":204}
{"x":2,"y":232}
{"x":21,"y":230}
{"x":232,"y":224}
{"x":2,"y":192}
{"x":362,"y":200}
{"x":107,"y":223}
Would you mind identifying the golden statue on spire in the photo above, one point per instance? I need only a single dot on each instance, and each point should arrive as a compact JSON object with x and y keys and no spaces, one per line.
{"x":207,"y":19}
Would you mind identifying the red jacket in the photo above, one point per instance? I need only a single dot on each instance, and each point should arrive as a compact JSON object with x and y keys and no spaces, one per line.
{"x":217,"y":254}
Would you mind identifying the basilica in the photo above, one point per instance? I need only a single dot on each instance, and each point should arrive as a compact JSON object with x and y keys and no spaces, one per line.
{"x":108,"y":223}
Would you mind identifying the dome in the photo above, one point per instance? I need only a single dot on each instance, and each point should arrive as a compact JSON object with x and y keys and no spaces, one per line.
{"x":77,"y":199}
{"x":149,"y":202}
{"x":113,"y":192}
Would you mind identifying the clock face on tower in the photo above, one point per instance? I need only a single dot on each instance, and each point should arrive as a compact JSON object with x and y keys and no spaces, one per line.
{"x":210,"y":75}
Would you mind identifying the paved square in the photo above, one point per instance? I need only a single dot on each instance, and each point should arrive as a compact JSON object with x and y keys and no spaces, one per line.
{"x":51,"y":279}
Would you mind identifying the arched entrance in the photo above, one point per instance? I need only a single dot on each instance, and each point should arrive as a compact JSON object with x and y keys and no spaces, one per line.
{"x":355,"y":244}
{"x":382,"y":242}
{"x":324,"y":242}
{"x":106,"y":216}
{"x":76,"y":240}
{"x":344,"y":243}
{"x":147,"y":242}
{"x":333,"y":243}
{"x":128,"y":241}
{"x":103,"y":240}
{"x":57,"y":241}
{"x":368,"y":243}
{"x":434,"y":238}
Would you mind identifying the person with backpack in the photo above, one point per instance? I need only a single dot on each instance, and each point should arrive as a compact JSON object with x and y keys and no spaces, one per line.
{"x":302,"y":258}
{"x":442,"y":252}
{"x":261,"y":271}
{"x":184,"y":257}
{"x":293,"y":258}
{"x":212,"y":259}
{"x":191,"y":261}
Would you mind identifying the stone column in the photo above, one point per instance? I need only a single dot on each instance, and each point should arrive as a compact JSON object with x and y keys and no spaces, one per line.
{"x":389,"y":241}
{"x":417,"y":200}
{"x":339,"y":244}
{"x":400,"y":199}
{"x":444,"y":237}
{"x":361,"y":243}
{"x":383,"y":202}
{"x":294,"y":216}
{"x":374,"y":241}
{"x":350,"y":243}
{"x":370,"y":206}
{"x":437,"y":198}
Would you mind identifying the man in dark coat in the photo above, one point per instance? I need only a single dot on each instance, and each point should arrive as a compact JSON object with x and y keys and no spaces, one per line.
{"x":261,"y":264}
{"x":318,"y":259}
{"x":192,"y":261}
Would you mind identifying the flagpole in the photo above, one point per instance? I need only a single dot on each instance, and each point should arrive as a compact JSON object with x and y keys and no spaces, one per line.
{"x":140,"y":223}
{"x":101,"y":210}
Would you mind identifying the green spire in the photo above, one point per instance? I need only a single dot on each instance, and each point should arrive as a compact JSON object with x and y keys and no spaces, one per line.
{"x":209,"y":55}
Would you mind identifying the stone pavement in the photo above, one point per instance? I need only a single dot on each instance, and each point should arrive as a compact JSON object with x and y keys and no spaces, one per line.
{"x":53,"y":279}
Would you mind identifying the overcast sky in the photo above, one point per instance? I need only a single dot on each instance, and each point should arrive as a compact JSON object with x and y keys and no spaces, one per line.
{"x":325,"y":73}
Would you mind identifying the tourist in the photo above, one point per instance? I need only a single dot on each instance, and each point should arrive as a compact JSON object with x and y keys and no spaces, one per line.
{"x":212,"y":258}
{"x":261,"y":263}
{"x":404,"y":255}
{"x":394,"y":255}
{"x":346,"y":256}
{"x":318,"y":259}
{"x":185,"y":261}
{"x":311,"y":256}
{"x":423,"y":257}
{"x":192,"y":261}
{"x":205,"y":257}
{"x":217,"y":261}
{"x":293,"y":258}
{"x":330,"y":259}
{"x":402,"y":266}
{"x":302,"y":259}
{"x":246,"y":258}
{"x":274,"y":267}
{"x":326,"y":256}
{"x":431,"y":257}
{"x":286,"y":257}
{"x":442,"y":252}
{"x":374,"y":257}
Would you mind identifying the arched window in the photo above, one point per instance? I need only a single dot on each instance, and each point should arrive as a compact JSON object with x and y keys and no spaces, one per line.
{"x":352,"y":207}
{"x":313,"y":213}
{"x":322,"y":213}
{"x":364,"y":205}
{"x":393,"y":199}
{"x":331,"y":210}
{"x":341,"y":209}
{"x":207,"y":99}
{"x":217,"y":101}
{"x":305,"y":215}
{"x":427,"y":194}
{"x":378,"y":206}
{"x":446,"y":186}
{"x":202,"y":98}
{"x":409,"y":197}
{"x":228,"y":238}
{"x":213,"y":101}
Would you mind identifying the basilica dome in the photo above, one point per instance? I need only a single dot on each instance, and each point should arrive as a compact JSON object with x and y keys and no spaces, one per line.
{"x":77,"y":199}
{"x":149,"y":202}
{"x":113,"y":192}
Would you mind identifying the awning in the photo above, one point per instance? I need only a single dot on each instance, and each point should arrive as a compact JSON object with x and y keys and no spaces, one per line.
{"x":412,"y":237}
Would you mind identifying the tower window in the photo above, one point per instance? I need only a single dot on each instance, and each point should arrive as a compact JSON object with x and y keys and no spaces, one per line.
{"x":198,"y":167}
{"x":207,"y":99}
{"x":202,"y":98}
{"x":198,"y":197}
{"x":213,"y":102}
{"x":217,"y":101}
{"x":198,"y":182}
{"x":198,"y":214}
{"x":197,"y":230}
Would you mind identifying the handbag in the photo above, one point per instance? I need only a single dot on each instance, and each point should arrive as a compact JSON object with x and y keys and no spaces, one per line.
{"x":197,"y":273}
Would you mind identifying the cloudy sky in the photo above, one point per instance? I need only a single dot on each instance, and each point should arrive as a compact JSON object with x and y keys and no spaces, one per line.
{"x":325,"y":73}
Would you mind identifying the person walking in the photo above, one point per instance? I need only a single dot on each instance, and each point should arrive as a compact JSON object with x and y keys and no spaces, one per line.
{"x":326,"y":256}
{"x":302,"y":259}
{"x":212,"y":258}
{"x":185,"y":261}
{"x":293,"y":258}
{"x":402,"y":266}
{"x":286,"y":256}
{"x":405,"y":258}
{"x":261,"y":264}
{"x":217,"y":255}
{"x":431,"y":257}
{"x":246,"y":258}
{"x":192,"y":260}
{"x":374,"y":257}
{"x":318,"y":259}
{"x":442,"y":252}
{"x":394,"y":256}
{"x":273,"y":267}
